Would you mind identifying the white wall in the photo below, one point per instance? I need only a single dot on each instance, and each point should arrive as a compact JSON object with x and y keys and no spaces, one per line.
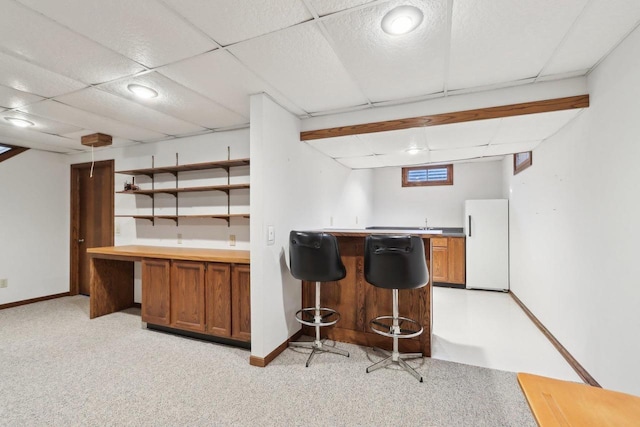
{"x":199,"y":233}
{"x":293,"y":186}
{"x":34,"y":229}
{"x":443,"y":206}
{"x":573,"y":224}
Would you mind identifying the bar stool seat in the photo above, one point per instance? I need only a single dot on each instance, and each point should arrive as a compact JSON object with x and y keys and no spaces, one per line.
{"x":314,"y":257}
{"x":395,"y":262}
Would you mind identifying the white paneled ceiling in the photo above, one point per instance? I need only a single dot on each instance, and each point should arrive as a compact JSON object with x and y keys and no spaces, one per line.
{"x":65,"y":66}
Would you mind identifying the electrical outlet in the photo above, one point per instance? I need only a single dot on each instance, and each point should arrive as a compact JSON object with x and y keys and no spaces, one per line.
{"x":232,"y":240}
{"x":4,"y":283}
{"x":179,"y":238}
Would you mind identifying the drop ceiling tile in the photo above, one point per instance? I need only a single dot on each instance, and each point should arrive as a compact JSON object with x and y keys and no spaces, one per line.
{"x":517,"y":147}
{"x":177,"y":101}
{"x":12,"y":98}
{"x":441,"y":156}
{"x":143,"y":30}
{"x":531,"y":127}
{"x":20,"y":136}
{"x":86,"y":120}
{"x":41,"y":124}
{"x":326,"y":7}
{"x":343,"y":146}
{"x":460,"y":135}
{"x":29,"y":143}
{"x":600,"y":27}
{"x":109,"y":105}
{"x":392,"y":67}
{"x":397,"y":141}
{"x":231,"y":21}
{"x":116,"y":142}
{"x":405,"y":159}
{"x":232,"y":84}
{"x":494,"y":41}
{"x":30,"y":35}
{"x":362,"y":162}
{"x":26,"y":77}
{"x":300,"y":64}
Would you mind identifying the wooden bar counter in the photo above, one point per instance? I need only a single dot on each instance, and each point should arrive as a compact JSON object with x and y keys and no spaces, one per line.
{"x":358,"y":302}
{"x":112,"y":270}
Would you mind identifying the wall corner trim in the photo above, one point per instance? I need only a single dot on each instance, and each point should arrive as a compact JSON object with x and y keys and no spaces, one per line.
{"x":261,"y":362}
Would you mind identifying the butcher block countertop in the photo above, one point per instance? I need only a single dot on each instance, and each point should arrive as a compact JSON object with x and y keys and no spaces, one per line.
{"x":137,"y":252}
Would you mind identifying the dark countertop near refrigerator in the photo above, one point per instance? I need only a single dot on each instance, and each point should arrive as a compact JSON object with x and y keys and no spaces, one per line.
{"x":431,"y":232}
{"x":446,"y":231}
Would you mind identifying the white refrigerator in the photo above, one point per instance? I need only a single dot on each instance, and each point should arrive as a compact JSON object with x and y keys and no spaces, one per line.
{"x":487,"y":235}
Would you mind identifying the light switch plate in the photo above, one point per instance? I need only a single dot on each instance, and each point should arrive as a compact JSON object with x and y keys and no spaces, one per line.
{"x":271,"y":235}
{"x":4,"y":283}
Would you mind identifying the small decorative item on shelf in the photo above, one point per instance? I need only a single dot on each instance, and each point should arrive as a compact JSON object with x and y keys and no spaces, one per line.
{"x":131,"y":186}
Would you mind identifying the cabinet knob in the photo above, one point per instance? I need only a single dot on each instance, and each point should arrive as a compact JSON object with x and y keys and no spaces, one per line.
{"x":80,"y":240}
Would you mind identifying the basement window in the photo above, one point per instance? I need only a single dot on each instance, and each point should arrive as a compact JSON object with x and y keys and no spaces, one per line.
{"x":521,"y":161}
{"x":418,"y":176}
{"x":7,"y":151}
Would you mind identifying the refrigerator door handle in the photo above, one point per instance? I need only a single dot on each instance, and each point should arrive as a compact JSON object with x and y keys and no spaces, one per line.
{"x":469,"y":225}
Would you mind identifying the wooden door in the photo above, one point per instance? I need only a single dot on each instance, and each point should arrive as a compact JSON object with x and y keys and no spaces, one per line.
{"x":92,"y":199}
{"x":241,"y":302}
{"x":156,"y":291}
{"x":187,"y":295}
{"x":218,"y":299}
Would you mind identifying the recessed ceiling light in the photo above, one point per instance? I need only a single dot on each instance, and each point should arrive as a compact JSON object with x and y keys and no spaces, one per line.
{"x":142,"y":91}
{"x":21,"y":123}
{"x":401,"y":20}
{"x":414,"y":150}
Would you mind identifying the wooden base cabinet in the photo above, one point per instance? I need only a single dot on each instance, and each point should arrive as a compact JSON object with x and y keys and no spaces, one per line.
{"x":187,"y":295}
{"x":156,"y":291}
{"x":241,"y":302}
{"x":448,"y":260}
{"x":219,"y":299}
{"x":204,"y":297}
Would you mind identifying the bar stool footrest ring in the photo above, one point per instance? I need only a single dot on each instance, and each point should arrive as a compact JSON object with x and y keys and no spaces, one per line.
{"x":377,"y":326}
{"x":325,"y":313}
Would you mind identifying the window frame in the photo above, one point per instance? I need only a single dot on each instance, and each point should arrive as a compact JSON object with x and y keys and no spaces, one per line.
{"x":13,"y":151}
{"x":519,"y":167}
{"x":405,"y":174}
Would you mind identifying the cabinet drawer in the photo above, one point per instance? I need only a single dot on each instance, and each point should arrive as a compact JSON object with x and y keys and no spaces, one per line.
{"x":440,"y":242}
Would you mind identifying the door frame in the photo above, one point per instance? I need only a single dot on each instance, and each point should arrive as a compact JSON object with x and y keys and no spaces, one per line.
{"x":74,"y":268}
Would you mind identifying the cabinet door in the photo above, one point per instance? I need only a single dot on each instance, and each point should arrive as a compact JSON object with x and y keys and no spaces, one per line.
{"x":156,"y":281}
{"x":457,"y":260}
{"x":187,"y":295}
{"x":219,"y":299}
{"x":240,"y":302}
{"x":440,"y":264}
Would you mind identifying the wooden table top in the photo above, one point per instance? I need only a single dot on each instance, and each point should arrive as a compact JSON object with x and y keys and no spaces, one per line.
{"x":137,"y":252}
{"x":564,"y":403}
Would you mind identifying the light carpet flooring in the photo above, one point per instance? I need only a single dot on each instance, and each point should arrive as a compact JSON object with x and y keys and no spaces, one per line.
{"x":58,"y":368}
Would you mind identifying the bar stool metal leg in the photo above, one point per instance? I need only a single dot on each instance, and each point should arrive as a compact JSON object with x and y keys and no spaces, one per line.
{"x":395,"y":356}
{"x":317,"y":346}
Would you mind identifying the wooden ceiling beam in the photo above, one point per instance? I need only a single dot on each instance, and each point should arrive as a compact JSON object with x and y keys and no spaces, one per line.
{"x":545,"y":106}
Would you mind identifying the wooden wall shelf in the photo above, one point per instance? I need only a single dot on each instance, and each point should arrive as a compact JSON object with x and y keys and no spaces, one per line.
{"x":224,"y":164}
{"x":174,"y":170}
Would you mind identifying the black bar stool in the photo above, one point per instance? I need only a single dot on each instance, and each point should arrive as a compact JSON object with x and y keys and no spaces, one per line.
{"x":314,"y":257}
{"x":395,"y":262}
